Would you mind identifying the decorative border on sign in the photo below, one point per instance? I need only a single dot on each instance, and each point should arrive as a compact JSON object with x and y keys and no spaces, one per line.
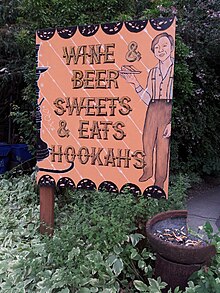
{"x":46,"y":180}
{"x":46,"y":34}
{"x":106,"y":186}
{"x":88,"y":30}
{"x":112,"y":28}
{"x":161,"y":24}
{"x":134,"y":26}
{"x":66,"y":32}
{"x":66,"y":182}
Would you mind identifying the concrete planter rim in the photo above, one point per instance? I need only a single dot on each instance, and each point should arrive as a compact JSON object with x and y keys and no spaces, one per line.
{"x":174,"y":252}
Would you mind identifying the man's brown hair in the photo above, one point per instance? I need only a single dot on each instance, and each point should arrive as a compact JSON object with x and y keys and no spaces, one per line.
{"x":156,"y":40}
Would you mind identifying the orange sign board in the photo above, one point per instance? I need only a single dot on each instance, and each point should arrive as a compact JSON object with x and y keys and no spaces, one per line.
{"x":104,"y":105}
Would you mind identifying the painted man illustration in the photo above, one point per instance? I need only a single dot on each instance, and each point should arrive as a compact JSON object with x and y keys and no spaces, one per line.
{"x":157,"y":96}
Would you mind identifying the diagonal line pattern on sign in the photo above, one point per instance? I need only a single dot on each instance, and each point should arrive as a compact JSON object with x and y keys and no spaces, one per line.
{"x":128,"y":116}
{"x":139,"y":60}
{"x":80,"y":116}
{"x":89,"y":96}
{"x":59,"y":116}
{"x":55,"y":139}
{"x":71,"y":133}
{"x":145,"y":30}
{"x":142,"y":64}
{"x":104,"y":117}
{"x":64,"y":95}
{"x":139,"y":101}
{"x":113,"y":96}
{"x":119,"y":169}
{"x":86,"y":90}
{"x":52,"y":165}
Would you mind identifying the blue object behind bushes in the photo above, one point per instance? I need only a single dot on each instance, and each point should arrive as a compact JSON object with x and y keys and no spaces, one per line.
{"x":13,"y":155}
{"x":20,"y":153}
{"x":4,"y":157}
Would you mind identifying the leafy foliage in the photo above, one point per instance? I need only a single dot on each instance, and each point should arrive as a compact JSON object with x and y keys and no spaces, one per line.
{"x":208,"y":279}
{"x":95,"y":247}
{"x":199,"y":130}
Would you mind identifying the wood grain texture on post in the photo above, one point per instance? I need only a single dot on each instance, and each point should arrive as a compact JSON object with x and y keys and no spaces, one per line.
{"x":47,"y":210}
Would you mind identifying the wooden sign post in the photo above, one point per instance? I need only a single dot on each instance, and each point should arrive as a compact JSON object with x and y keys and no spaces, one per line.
{"x":47,"y":210}
{"x":104,"y":108}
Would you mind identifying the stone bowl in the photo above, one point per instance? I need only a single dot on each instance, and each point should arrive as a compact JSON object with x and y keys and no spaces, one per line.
{"x":182,"y":254}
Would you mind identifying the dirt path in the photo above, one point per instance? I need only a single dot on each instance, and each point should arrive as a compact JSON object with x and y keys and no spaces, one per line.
{"x":204,"y":204}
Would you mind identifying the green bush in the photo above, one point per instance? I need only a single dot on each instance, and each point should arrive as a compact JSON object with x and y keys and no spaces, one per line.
{"x":197,"y":132}
{"x":207,"y":280}
{"x":95,"y":245}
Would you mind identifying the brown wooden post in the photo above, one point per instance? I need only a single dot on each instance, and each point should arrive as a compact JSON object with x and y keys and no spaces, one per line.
{"x":47,"y":210}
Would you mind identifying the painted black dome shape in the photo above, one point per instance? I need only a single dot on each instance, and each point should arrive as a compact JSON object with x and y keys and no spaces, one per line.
{"x":65,"y":182}
{"x":46,"y":34}
{"x":86,"y":184}
{"x":161,"y":24}
{"x":88,"y":30}
{"x":66,"y":32}
{"x":131,"y":188}
{"x":154,"y":192}
{"x":46,"y":180}
{"x":112,"y":28}
{"x":135,"y":26}
{"x":108,"y":186}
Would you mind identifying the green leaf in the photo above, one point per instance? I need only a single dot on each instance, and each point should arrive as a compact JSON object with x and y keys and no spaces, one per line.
{"x":141,"y":264}
{"x":208,"y":228}
{"x":139,"y":285}
{"x":84,"y":290}
{"x":73,"y":253}
{"x":93,"y":281}
{"x":111,"y":259}
{"x":118,"y":266}
{"x":135,"y":238}
{"x":84,"y":269}
{"x":134,"y":254}
{"x":118,"y":249}
{"x":156,"y":285}
{"x":66,"y":290}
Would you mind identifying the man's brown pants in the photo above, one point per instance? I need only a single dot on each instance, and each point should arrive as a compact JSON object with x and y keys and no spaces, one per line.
{"x":158,"y":116}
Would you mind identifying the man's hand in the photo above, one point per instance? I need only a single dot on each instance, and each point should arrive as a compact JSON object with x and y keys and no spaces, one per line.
{"x":130,"y":78}
{"x":128,"y":72}
{"x":167,"y":131}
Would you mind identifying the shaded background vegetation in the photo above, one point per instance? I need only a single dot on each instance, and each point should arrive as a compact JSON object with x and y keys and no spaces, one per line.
{"x":196,"y":111}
